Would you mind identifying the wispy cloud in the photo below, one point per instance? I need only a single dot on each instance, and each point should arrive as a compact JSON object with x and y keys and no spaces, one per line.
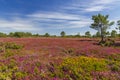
{"x":100,"y":5}
{"x":92,"y":5}
{"x":60,"y":20}
{"x":95,"y":8}
{"x":53,"y":15}
{"x":44,"y":20}
{"x":104,"y":2}
{"x":17,"y":24}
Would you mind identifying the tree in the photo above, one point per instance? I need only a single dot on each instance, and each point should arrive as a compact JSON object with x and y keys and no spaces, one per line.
{"x":87,"y":34}
{"x":27,"y":34}
{"x":62,"y":34}
{"x":113,"y":33}
{"x":77,"y":35}
{"x":98,"y":34}
{"x":18,"y":34}
{"x":107,"y":33}
{"x":11,"y":34}
{"x":3,"y":34}
{"x":118,"y":28}
{"x":46,"y":35}
{"x":36,"y":35}
{"x":101,"y":23}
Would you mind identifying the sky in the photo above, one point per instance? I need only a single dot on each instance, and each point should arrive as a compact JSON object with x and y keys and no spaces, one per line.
{"x":54,"y":16}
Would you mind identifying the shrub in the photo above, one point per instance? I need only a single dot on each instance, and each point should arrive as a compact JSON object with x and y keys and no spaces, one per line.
{"x":114,"y":66}
{"x":10,"y":72}
{"x":69,"y":51}
{"x":1,"y":49}
{"x":108,"y":43}
{"x":8,"y":53}
{"x":13,"y":46}
{"x":114,"y":62}
{"x":79,"y":68}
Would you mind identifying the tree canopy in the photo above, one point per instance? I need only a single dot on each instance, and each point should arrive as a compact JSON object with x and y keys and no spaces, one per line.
{"x":101,"y":23}
{"x":62,"y":34}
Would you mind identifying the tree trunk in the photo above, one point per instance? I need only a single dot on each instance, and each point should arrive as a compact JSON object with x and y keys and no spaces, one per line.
{"x":102,"y":36}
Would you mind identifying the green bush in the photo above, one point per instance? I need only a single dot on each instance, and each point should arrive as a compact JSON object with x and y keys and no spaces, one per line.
{"x":69,"y":51}
{"x":79,"y":68}
{"x":10,"y":72}
{"x":9,"y":53}
{"x":1,"y":49}
{"x":13,"y":46}
{"x":114,"y":66}
{"x":108,"y":43}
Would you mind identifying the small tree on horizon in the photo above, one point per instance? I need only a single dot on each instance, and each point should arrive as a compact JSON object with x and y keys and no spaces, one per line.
{"x":107,"y":33}
{"x":113,"y":33}
{"x":97,"y":34}
{"x":77,"y":35}
{"x":118,"y":28}
{"x":87,"y":34}
{"x":62,"y":34}
{"x":101,"y":23}
{"x":46,"y":35}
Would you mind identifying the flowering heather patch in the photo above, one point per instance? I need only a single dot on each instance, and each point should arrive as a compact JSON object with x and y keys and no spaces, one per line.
{"x":59,"y":59}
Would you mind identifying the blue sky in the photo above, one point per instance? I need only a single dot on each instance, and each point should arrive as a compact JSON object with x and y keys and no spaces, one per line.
{"x":54,"y":16}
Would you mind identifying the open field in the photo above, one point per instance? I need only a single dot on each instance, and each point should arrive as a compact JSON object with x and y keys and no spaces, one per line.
{"x":59,"y":59}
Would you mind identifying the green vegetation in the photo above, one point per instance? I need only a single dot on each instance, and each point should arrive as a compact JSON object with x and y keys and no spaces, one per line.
{"x":46,"y":35}
{"x":20,"y":34}
{"x":118,"y":28}
{"x":70,"y":60}
{"x":10,"y":72}
{"x":114,"y":33}
{"x":62,"y":34}
{"x":87,"y":34}
{"x":13,"y":46}
{"x":81,"y":68}
{"x":108,"y":43}
{"x":7,"y":46}
{"x":3,"y":34}
{"x":101,"y":23}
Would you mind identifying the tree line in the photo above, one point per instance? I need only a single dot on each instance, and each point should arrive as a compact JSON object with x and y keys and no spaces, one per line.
{"x":63,"y":34}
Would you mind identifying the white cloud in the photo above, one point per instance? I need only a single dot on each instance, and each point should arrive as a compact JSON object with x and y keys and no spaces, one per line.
{"x":17,"y":24}
{"x":101,"y":5}
{"x":53,"y":15}
{"x":95,"y":8}
{"x":41,"y":21}
{"x":60,"y":20}
{"x":91,"y":5}
{"x":104,"y":2}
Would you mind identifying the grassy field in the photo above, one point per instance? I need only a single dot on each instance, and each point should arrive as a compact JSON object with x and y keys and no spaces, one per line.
{"x":58,"y":59}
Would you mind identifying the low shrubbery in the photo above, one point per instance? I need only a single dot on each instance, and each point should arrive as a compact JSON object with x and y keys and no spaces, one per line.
{"x":13,"y":46}
{"x":10,"y":72}
{"x":35,"y":61}
{"x":108,"y":43}
{"x":9,"y":45}
{"x":69,"y":51}
{"x":78,"y":68}
{"x":81,"y":68}
{"x":9,"y":53}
